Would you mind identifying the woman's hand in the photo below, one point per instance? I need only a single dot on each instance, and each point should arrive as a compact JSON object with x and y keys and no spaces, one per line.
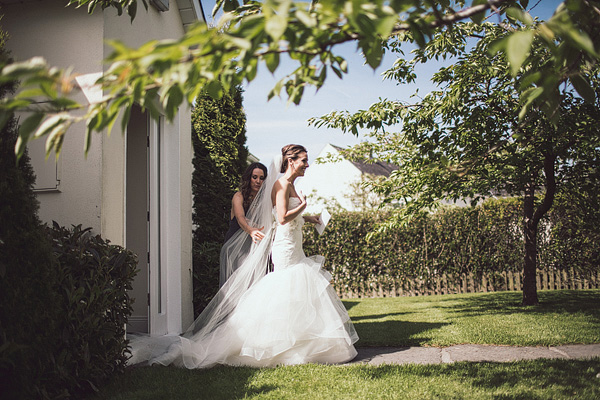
{"x":313,"y":219}
{"x":302,"y":199}
{"x":256,"y":234}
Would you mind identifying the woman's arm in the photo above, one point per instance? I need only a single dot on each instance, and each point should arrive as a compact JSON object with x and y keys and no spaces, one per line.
{"x":237,"y":206}
{"x":282,"y":198}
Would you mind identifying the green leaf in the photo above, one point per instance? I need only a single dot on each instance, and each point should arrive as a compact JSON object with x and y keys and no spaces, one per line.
{"x":373,"y":54}
{"x":583,"y":87}
{"x":251,"y":69}
{"x":275,"y":26}
{"x":214,"y":89}
{"x":517,"y":49}
{"x":132,"y":10}
{"x":478,"y":18}
{"x":230,"y":5}
{"x":18,"y":69}
{"x":174,"y":100}
{"x":272,"y":61}
{"x":27,"y":127}
{"x":519,"y":15}
{"x":529,"y":96}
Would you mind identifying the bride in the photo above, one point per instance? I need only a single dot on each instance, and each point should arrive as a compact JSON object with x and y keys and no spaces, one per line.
{"x":289,"y":316}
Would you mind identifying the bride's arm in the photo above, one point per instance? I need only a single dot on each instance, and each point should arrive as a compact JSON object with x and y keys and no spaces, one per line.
{"x":282,"y":197}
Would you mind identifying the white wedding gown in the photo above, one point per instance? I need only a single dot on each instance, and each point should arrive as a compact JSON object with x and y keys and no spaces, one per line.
{"x":290,"y":316}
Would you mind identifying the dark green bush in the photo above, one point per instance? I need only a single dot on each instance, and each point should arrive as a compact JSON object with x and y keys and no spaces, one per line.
{"x":206,"y":273}
{"x":93,"y":277}
{"x":220,"y":158}
{"x":28,"y":311}
{"x":484,"y":239}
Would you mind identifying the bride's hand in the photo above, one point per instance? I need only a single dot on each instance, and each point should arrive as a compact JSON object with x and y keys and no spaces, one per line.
{"x":313,"y":219}
{"x":301,"y":197}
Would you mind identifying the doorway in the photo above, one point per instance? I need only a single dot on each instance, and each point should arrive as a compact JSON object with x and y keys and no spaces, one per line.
{"x":143,"y":217}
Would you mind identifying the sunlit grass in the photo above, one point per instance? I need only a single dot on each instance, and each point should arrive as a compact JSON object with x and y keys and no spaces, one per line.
{"x":540,"y":379}
{"x":563,"y":317}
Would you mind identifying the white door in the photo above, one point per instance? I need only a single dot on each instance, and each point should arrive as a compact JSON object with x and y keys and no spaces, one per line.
{"x":158,"y":281}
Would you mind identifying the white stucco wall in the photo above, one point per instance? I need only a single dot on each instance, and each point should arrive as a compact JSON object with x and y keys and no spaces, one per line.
{"x":329,"y":180}
{"x":53,"y":31}
{"x":176,"y":193}
{"x":92,"y":189}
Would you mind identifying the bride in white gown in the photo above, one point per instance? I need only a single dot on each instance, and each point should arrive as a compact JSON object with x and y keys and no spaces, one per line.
{"x":289,"y":316}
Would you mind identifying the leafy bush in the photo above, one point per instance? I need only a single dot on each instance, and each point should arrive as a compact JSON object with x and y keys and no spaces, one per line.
{"x":206,"y":273}
{"x":27,"y":284}
{"x":483,"y":239}
{"x":220,"y":157}
{"x":93,"y":277}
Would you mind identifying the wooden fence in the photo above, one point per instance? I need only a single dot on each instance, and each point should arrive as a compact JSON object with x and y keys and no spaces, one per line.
{"x":469,"y":283}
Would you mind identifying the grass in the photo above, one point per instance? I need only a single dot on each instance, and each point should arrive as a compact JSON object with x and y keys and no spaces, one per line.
{"x":540,"y":379}
{"x":563,"y":317}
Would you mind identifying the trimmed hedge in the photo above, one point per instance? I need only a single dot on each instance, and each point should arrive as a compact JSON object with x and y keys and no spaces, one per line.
{"x":220,"y":158}
{"x":484,"y":239}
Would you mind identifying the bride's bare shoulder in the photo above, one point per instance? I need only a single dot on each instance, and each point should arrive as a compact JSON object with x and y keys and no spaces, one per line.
{"x":280,"y":186}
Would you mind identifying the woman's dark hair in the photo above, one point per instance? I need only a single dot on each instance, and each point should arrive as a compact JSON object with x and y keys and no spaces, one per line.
{"x":291,"y":151}
{"x":245,"y":184}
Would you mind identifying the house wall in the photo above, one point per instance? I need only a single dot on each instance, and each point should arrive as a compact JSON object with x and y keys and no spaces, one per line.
{"x":329,"y":180}
{"x":53,"y":31}
{"x":92,"y":190}
{"x":176,"y":195}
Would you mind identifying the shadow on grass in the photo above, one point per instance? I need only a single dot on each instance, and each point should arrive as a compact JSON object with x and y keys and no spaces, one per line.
{"x":504,"y":303}
{"x":155,"y":382}
{"x":544,"y":378}
{"x":396,"y":333}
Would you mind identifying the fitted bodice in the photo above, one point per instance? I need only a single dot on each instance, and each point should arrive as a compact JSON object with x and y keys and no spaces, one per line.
{"x":287,"y":245}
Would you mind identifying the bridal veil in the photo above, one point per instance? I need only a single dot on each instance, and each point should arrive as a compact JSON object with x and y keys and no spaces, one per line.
{"x":243,"y":264}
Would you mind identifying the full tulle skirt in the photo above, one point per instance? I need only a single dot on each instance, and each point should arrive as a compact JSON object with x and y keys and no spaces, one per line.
{"x":291,"y":316}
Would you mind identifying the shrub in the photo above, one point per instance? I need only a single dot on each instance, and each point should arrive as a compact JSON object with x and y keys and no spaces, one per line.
{"x":456,"y":240}
{"x":28,"y":311}
{"x":93,"y":277}
{"x":220,"y":157}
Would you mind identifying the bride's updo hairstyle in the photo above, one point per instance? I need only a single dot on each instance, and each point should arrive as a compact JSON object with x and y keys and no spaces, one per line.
{"x":291,"y":151}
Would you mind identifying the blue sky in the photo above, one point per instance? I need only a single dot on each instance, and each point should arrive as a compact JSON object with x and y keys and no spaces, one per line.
{"x":273,"y":124}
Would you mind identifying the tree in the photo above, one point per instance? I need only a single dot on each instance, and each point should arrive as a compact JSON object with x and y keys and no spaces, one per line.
{"x":220,"y":158}
{"x":260,"y":33}
{"x":471,"y":139}
{"x":26,"y":273}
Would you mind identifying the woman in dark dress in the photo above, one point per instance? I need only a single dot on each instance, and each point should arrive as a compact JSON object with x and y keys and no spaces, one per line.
{"x":252,"y":180}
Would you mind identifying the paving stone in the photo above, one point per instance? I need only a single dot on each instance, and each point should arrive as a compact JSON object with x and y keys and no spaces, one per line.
{"x":474,"y":352}
{"x":398,"y":355}
{"x":580,"y":351}
{"x":469,"y":352}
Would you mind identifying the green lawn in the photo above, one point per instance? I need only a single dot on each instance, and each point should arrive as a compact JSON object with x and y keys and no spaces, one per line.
{"x":540,"y":379}
{"x":564,"y":317}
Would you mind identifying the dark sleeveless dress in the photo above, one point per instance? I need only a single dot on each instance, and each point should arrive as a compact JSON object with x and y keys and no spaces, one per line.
{"x":234,"y":226}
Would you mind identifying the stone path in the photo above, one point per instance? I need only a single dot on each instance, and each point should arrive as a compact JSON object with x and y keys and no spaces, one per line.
{"x":470,"y":352}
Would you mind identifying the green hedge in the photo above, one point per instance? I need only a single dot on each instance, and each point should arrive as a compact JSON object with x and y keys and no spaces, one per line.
{"x":93,"y":278}
{"x":483,"y":239}
{"x":69,"y":338}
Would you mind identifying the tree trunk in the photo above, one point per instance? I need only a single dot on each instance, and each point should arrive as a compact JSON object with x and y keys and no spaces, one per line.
{"x":531,"y":219}
{"x":530,"y":265}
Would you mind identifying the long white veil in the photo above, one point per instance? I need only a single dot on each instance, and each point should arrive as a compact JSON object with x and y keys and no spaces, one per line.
{"x":199,"y":345}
